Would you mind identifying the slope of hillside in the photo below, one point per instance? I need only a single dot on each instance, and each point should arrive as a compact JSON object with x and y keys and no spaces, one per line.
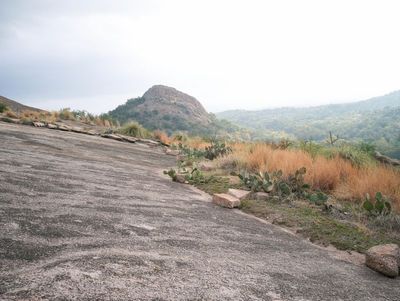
{"x":16,"y":106}
{"x":168,"y":109}
{"x":374,"y":120}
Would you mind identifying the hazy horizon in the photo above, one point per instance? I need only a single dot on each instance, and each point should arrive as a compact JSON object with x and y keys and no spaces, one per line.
{"x":94,"y":55}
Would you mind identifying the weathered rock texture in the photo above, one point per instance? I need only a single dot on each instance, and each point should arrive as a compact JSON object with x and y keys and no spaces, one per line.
{"x":88,"y":218}
{"x":226,"y":200}
{"x":384,"y":259}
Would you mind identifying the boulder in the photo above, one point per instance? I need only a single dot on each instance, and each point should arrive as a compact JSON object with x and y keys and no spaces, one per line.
{"x":384,"y":259}
{"x":172,"y":152}
{"x":239,"y":194}
{"x":226,"y":200}
{"x":260,"y":196}
{"x":76,"y":129}
{"x":181,"y":179}
{"x":63,"y":127}
{"x":38,"y":124}
{"x":52,"y":126}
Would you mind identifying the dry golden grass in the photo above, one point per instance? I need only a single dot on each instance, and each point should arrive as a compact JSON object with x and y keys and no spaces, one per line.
{"x":49,"y":117}
{"x":10,"y":113}
{"x":162,"y":136}
{"x":197,"y":142}
{"x":335,"y":175}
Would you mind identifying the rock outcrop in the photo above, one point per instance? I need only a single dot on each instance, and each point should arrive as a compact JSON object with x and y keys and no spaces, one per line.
{"x":384,"y":259}
{"x":166,"y":108}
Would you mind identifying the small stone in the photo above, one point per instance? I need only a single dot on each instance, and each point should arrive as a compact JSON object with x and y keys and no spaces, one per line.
{"x":384,"y":259}
{"x":226,"y":200}
{"x":240,"y":194}
{"x":260,"y":196}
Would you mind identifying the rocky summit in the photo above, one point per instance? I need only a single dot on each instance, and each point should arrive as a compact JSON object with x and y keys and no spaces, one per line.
{"x":163,"y":107}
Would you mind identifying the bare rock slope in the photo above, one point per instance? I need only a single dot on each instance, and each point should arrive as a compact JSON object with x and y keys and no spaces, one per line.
{"x":16,"y":106}
{"x":87,"y":218}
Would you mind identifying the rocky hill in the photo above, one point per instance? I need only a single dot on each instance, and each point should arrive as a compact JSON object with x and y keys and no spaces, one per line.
{"x":16,"y":106}
{"x":165,"y":108}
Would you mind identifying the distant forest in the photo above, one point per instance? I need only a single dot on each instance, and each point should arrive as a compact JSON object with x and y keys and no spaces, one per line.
{"x":375,"y":121}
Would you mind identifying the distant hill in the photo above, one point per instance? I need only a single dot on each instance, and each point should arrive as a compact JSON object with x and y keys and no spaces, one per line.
{"x":374,"y":120}
{"x":16,"y":106}
{"x":168,"y":109}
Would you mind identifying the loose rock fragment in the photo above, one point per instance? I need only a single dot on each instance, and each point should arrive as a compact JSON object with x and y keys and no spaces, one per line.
{"x":226,"y":200}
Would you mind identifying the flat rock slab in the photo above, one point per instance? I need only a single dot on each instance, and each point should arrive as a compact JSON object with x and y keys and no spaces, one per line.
{"x":88,"y":218}
{"x":239,"y":194}
{"x":225,"y":200}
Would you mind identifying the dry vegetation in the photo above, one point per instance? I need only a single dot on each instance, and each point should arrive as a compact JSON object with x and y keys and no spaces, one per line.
{"x":335,"y":175}
{"x":27,"y":116}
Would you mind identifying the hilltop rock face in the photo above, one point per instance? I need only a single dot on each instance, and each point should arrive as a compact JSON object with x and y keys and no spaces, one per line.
{"x":176,"y":102}
{"x":166,"y":108}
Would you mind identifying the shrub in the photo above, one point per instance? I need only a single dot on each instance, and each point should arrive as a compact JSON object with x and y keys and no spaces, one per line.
{"x":162,"y":137}
{"x":66,"y":114}
{"x":217,"y":149}
{"x":11,"y":114}
{"x":134,"y":129}
{"x":318,"y":198}
{"x":3,"y":107}
{"x":381,"y":205}
{"x":275,"y":183}
{"x":191,"y":153}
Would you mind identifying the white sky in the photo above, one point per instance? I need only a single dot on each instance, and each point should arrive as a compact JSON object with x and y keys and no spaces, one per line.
{"x":249,"y":54}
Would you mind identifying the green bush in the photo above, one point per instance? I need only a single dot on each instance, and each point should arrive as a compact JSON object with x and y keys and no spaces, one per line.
{"x":318,"y":198}
{"x":3,"y":107}
{"x":191,"y":153}
{"x":358,"y":156}
{"x":66,"y":114}
{"x":381,"y":205}
{"x":274,"y":183}
{"x":216,"y":149}
{"x":134,"y":129}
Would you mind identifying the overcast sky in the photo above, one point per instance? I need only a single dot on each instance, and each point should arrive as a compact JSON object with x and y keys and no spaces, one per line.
{"x":228,"y":54}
